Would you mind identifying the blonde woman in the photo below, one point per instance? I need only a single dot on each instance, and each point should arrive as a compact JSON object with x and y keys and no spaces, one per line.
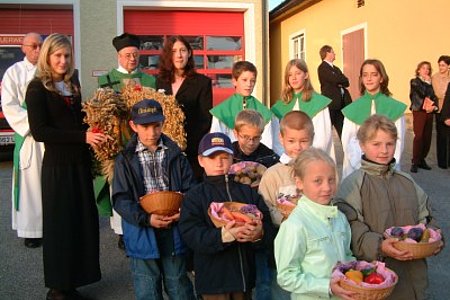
{"x":70,"y":218}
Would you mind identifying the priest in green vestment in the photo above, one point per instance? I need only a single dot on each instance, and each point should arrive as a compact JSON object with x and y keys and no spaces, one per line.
{"x":127,"y":46}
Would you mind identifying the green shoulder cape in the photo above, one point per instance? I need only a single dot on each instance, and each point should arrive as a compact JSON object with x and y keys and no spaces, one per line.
{"x":227,"y":111}
{"x":360,"y":109}
{"x":311,"y":107}
{"x":116,"y":79}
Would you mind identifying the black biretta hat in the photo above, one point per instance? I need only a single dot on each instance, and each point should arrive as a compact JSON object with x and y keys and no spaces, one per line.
{"x":126,"y":40}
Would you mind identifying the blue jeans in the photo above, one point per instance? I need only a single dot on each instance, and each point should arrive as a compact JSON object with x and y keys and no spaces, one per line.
{"x":277,"y":292}
{"x":150,"y":274}
{"x":264,"y":275}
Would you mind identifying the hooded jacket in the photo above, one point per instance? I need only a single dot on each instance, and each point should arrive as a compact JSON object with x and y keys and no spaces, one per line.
{"x":220,"y":267}
{"x":128,"y":187}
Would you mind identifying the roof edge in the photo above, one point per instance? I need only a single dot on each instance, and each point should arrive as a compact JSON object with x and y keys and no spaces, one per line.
{"x":289,"y":7}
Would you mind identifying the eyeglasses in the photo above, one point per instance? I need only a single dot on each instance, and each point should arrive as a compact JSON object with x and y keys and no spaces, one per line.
{"x":131,"y":55}
{"x":250,"y":139}
{"x":33,"y":46}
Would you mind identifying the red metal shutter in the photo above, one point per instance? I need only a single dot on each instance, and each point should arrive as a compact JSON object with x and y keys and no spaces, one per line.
{"x":184,"y":22}
{"x":42,"y":21}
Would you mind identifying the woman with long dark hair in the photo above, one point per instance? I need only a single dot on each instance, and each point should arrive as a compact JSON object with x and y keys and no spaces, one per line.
{"x":177,"y":76}
{"x":70,"y":217}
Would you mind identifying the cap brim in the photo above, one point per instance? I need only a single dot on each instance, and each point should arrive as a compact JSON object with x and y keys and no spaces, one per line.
{"x":148,"y":120}
{"x":216,"y":149}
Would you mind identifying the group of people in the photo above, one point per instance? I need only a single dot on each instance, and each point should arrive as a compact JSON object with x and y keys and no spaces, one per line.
{"x":430,"y":95}
{"x":279,"y":256}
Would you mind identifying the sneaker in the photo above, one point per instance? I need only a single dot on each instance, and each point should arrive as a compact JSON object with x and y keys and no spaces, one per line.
{"x":424,"y":165}
{"x":32,"y":242}
{"x":414,"y":169}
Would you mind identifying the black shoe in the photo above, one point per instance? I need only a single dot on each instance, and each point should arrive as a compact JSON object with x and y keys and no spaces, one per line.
{"x":32,"y":243}
{"x":75,"y":295}
{"x":424,"y":165}
{"x":414,"y":169}
{"x":56,"y":295}
{"x":120,"y":242}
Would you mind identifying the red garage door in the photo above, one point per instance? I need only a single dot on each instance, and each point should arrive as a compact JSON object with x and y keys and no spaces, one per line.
{"x":15,"y":22}
{"x":216,"y":37}
{"x":43,"y":21}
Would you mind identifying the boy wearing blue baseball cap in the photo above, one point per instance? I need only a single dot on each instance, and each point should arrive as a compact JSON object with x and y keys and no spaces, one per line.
{"x":152,"y":162}
{"x":223,"y":257}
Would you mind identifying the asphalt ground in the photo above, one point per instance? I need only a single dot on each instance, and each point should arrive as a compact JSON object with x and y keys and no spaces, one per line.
{"x":21,"y":269}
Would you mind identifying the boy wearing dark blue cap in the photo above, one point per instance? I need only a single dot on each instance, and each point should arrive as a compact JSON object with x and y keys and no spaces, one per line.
{"x":152,"y":162}
{"x":223,"y":257}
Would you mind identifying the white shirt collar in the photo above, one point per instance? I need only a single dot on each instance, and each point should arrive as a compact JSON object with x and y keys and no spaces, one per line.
{"x":124,"y":71}
{"x":28,"y":64}
{"x":328,"y":62}
{"x":285,"y":159}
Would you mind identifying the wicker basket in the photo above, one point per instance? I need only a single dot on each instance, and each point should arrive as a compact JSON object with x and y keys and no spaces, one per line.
{"x":244,"y":166}
{"x":285,"y":209}
{"x":232,"y":206}
{"x":419,"y":250}
{"x":366,"y":293}
{"x":162,"y":203}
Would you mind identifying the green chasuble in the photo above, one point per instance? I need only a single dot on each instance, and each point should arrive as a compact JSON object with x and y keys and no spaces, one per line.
{"x":360,"y":109}
{"x":117,"y":80}
{"x":227,"y":111}
{"x":311,"y":107}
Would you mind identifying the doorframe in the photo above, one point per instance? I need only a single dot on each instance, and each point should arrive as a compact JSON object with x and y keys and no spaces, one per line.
{"x":353,"y":29}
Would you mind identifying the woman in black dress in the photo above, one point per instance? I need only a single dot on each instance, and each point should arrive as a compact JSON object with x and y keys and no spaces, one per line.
{"x":177,"y":76}
{"x":70,"y":218}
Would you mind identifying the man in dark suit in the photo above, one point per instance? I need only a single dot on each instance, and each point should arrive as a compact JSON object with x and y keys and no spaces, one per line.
{"x":333,"y":85}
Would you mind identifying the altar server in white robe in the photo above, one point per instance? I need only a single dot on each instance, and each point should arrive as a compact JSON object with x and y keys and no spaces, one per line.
{"x":28,"y":154}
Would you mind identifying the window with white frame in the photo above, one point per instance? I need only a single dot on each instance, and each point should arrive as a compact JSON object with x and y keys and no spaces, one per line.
{"x":298,"y":46}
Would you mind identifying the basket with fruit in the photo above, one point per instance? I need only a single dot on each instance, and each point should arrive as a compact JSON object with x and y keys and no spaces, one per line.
{"x":287,"y":203}
{"x":418,"y":239}
{"x":369,"y":281}
{"x":221,"y":213}
{"x":247,"y":172}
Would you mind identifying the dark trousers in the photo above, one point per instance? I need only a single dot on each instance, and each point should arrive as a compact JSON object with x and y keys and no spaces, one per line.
{"x":423,"y":127}
{"x":229,"y":296}
{"x":337,"y":120}
{"x":442,"y":143}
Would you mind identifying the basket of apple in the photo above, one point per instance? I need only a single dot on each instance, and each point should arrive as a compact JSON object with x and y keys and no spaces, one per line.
{"x":418,"y":239}
{"x":369,"y":281}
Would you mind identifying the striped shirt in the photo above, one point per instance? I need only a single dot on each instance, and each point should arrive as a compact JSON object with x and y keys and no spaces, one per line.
{"x":151,"y":163}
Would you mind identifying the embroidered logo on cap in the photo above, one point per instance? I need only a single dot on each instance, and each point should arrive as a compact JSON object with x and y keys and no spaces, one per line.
{"x":144,"y":110}
{"x":217,"y":141}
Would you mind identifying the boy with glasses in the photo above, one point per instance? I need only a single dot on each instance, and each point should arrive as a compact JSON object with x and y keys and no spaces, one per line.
{"x":248,"y":129}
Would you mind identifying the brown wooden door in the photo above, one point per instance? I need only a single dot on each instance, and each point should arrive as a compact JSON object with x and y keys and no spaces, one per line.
{"x":353,"y":57}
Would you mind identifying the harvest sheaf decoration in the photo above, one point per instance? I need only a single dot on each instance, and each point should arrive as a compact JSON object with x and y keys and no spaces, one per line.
{"x":108,"y":112}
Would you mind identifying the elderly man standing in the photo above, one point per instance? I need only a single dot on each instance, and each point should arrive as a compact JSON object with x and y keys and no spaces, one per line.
{"x":127,"y":46}
{"x":28,"y":154}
